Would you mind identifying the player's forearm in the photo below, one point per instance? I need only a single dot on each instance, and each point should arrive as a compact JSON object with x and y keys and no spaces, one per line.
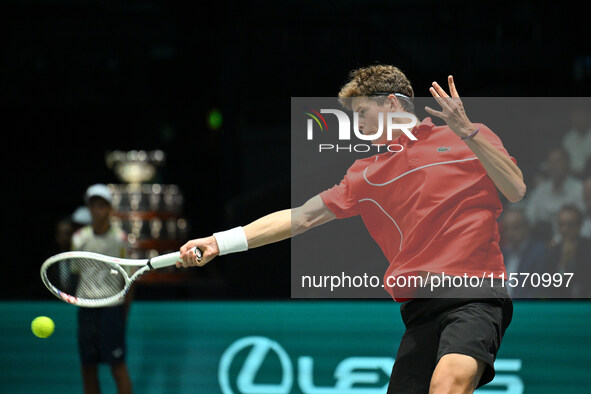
{"x":288,"y":223}
{"x":505,"y":174}
{"x":271,"y":228}
{"x":268,"y":229}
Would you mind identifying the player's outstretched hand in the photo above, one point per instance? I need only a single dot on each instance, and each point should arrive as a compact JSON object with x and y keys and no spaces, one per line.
{"x":207,"y":245}
{"x":452,"y":112}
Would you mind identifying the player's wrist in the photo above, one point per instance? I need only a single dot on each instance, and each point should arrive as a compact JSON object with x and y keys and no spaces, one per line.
{"x":468,"y":132}
{"x":231,"y":241}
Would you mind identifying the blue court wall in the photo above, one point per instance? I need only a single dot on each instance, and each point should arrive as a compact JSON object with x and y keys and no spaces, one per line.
{"x":316,"y":347}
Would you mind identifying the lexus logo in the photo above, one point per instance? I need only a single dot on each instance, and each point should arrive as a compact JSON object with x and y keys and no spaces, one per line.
{"x":352,"y":375}
{"x":260,"y":348}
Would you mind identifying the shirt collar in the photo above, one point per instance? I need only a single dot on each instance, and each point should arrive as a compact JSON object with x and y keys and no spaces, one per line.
{"x":425,"y":125}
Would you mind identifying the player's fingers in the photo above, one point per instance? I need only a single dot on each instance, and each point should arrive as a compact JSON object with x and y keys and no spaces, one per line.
{"x":439,"y":90}
{"x":184,"y":262}
{"x":441,"y":96}
{"x":452,"y":87}
{"x":189,"y":246}
{"x":189,"y":258}
{"x":438,"y":98}
{"x":444,"y":100}
{"x":434,"y":92}
{"x":447,"y":102}
{"x":433,"y":112}
{"x":184,"y":249}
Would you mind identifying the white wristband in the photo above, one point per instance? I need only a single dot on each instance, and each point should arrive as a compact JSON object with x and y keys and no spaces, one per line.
{"x":231,"y":241}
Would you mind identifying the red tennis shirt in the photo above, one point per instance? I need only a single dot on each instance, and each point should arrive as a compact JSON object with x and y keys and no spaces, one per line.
{"x":430,"y":207}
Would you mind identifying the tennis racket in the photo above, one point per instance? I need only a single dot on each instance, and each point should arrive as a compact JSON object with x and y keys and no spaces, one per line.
{"x":94,"y":280}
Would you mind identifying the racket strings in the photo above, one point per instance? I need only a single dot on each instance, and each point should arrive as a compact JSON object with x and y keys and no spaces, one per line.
{"x":86,"y":278}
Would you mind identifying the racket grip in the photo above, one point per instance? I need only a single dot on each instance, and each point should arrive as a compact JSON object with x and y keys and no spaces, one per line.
{"x":166,"y":260}
{"x":198,"y":253}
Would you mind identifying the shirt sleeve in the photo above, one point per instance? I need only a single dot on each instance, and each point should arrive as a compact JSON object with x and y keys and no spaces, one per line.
{"x":340,"y":199}
{"x":494,"y":140}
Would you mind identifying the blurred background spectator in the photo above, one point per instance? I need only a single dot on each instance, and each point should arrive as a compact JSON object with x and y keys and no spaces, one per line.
{"x":521,"y":251}
{"x":572,"y":254}
{"x":63,"y":235}
{"x":549,"y":196}
{"x":586,"y":229}
{"x":577,"y":141}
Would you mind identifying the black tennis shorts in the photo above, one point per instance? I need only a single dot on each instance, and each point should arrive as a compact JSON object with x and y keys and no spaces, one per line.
{"x":101,"y":335}
{"x":438,"y":326}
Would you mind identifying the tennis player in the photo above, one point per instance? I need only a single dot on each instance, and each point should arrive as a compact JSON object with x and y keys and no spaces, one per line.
{"x":432,"y":208}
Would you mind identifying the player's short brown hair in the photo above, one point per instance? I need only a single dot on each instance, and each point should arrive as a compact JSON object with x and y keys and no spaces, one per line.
{"x":366,"y":81}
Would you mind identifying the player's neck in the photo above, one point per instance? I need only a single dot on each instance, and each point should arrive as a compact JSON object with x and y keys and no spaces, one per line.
{"x":100,"y":228}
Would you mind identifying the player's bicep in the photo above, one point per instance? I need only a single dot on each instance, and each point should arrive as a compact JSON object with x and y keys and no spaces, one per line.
{"x":311,"y":214}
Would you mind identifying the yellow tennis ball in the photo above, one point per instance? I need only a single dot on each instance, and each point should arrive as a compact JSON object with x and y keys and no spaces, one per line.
{"x":42,"y":326}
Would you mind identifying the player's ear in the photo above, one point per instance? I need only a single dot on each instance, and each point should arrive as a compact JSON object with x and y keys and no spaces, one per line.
{"x":393,"y":103}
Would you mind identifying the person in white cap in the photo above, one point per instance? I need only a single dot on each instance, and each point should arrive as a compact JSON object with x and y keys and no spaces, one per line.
{"x":101,"y":331}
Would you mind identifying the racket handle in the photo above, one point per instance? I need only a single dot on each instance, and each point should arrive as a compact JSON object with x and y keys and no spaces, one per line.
{"x":166,"y":260}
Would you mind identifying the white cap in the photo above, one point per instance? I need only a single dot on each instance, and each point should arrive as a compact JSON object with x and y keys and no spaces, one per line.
{"x":81,"y":216}
{"x":98,"y":190}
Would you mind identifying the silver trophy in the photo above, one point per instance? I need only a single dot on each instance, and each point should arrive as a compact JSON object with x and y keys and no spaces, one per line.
{"x":135,"y":166}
